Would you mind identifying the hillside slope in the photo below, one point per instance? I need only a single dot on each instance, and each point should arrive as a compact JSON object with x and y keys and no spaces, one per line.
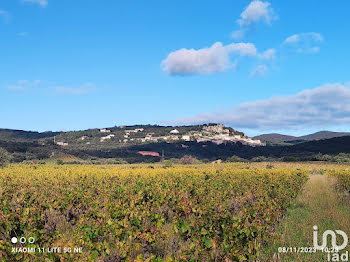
{"x":94,"y":149}
{"x":274,"y":137}
{"x":278,"y":138}
{"x":21,"y":135}
{"x":324,"y":135}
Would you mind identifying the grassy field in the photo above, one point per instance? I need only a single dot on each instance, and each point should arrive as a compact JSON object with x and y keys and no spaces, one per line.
{"x":318,"y":204}
{"x":206,"y":212}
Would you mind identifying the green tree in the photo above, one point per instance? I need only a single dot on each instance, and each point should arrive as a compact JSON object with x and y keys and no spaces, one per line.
{"x":167,"y":163}
{"x":236,"y":159}
{"x":4,"y":157}
{"x":188,"y":160}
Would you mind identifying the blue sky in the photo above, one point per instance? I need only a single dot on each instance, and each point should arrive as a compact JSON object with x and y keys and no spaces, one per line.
{"x":258,"y":66}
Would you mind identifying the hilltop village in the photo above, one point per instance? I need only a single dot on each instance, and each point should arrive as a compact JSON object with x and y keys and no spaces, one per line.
{"x":215,"y":133}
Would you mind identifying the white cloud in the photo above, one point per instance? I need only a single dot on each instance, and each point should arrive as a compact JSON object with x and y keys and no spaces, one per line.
{"x":257,"y":11}
{"x":243,"y":49}
{"x":297,"y":38}
{"x":42,"y":3}
{"x":325,"y":105}
{"x":217,"y":58}
{"x":304,"y":42}
{"x":269,"y":54}
{"x":84,"y":89}
{"x":206,"y":60}
{"x":24,"y":85}
{"x":292,"y":39}
{"x":260,"y":70}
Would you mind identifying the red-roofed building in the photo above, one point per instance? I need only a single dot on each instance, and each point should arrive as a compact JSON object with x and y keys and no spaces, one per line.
{"x":148,"y":153}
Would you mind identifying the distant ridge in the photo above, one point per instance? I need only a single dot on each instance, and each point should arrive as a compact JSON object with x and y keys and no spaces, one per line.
{"x":324,"y":135}
{"x":274,"y":137}
{"x":21,"y":135}
{"x":101,"y":145}
{"x":280,"y":138}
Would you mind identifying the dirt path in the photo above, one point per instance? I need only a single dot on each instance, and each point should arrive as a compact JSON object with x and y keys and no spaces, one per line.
{"x":319,"y":204}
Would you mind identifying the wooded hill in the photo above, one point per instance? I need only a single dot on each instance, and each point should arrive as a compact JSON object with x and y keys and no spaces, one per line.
{"x":280,"y":138}
{"x":27,"y":145}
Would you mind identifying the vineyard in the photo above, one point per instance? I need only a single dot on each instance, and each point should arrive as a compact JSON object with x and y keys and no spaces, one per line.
{"x":342,"y":176}
{"x":223,"y":212}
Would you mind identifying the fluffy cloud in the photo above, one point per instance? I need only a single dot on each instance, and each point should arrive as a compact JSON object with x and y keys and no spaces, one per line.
{"x":292,"y":39}
{"x":42,"y":3}
{"x":304,"y":42}
{"x":312,"y":36}
{"x":256,"y":11}
{"x":206,"y":60}
{"x":216,"y":58}
{"x":243,"y":49}
{"x":325,"y":105}
{"x":260,"y":70}
{"x":269,"y":54}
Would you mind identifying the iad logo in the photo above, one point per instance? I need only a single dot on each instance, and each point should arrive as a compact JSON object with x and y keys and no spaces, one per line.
{"x":333,"y":239}
{"x":333,"y":253}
